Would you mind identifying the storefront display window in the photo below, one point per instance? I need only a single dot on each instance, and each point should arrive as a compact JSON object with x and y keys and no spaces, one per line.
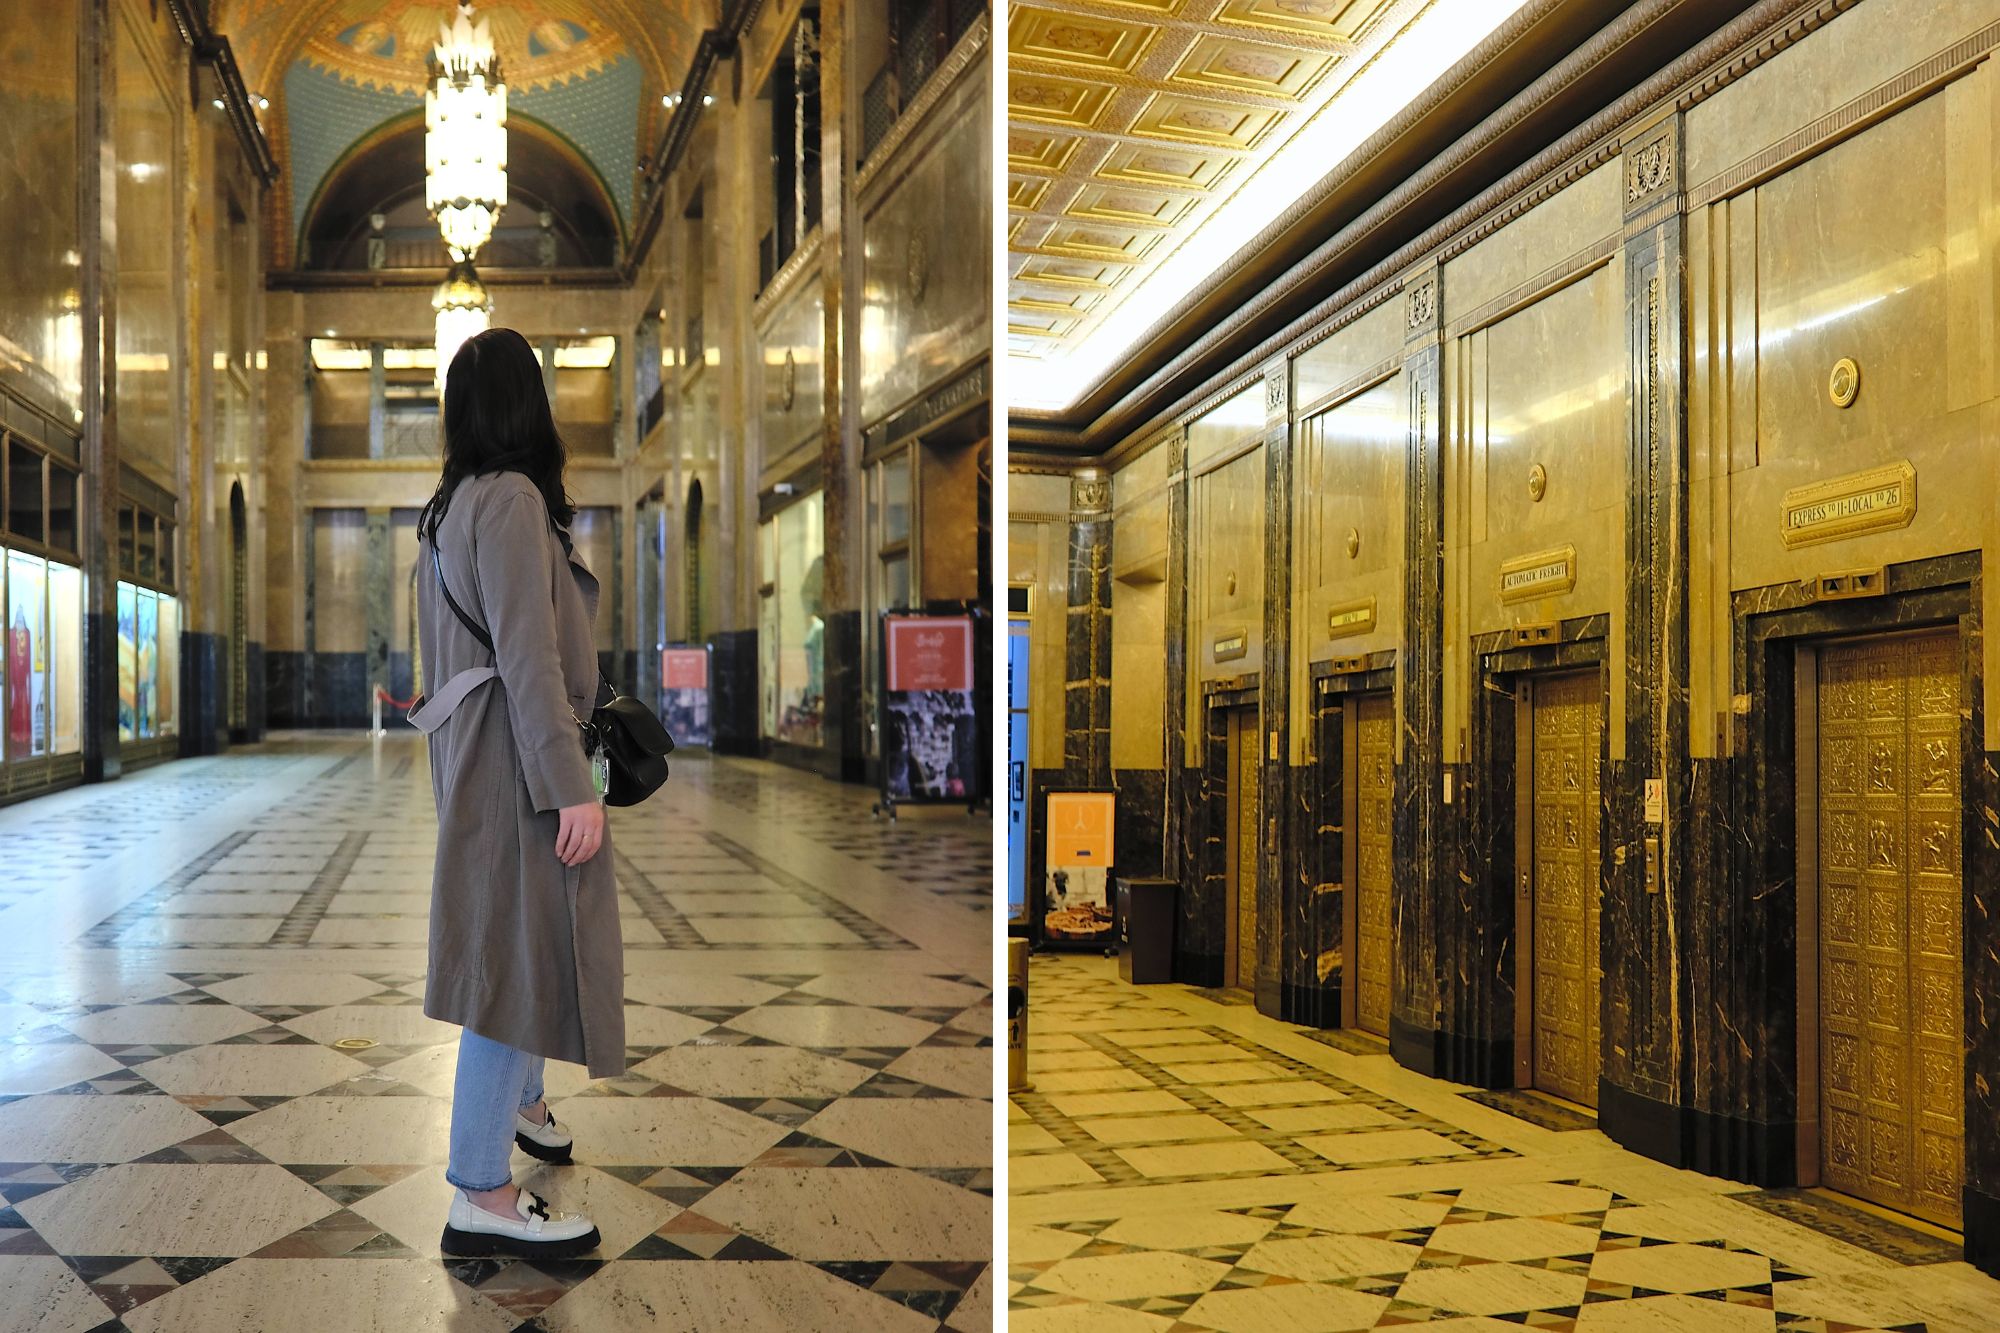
{"x":794,"y":680}
{"x":148,"y":662}
{"x":39,"y":696}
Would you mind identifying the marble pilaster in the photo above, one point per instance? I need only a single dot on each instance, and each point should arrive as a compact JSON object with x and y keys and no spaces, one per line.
{"x":1277,"y":900}
{"x":379,"y":596}
{"x":1087,"y":635}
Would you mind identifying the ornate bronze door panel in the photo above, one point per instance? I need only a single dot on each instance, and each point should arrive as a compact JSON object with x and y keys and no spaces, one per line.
{"x":1375,"y":747}
{"x":1244,"y":826}
{"x":1892,"y":1097}
{"x":1567,"y":977}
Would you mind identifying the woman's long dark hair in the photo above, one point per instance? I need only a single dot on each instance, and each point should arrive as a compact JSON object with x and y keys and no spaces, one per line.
{"x":497,"y":419}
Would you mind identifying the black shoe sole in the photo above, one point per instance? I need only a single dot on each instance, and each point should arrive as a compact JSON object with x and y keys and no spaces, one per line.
{"x":482,"y":1244}
{"x":560,"y":1156}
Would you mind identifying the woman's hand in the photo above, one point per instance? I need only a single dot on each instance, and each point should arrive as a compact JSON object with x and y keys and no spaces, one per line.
{"x":580,"y":832}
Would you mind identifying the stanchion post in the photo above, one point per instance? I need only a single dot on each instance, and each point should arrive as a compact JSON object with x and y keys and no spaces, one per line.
{"x":375,"y":707}
{"x":1017,"y":1017}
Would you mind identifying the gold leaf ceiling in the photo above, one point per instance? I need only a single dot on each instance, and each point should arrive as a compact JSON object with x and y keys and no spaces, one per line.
{"x":1132,"y":123}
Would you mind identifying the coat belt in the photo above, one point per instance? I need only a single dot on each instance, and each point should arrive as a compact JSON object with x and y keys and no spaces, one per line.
{"x":433,"y":710}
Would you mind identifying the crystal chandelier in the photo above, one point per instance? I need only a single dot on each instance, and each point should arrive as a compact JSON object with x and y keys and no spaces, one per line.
{"x":462,"y":307}
{"x":465,"y":135}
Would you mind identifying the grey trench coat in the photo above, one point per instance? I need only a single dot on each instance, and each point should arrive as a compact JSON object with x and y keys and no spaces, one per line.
{"x":523,"y":949}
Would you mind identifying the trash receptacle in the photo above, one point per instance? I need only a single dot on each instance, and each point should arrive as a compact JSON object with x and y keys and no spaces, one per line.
{"x":1017,"y":1015}
{"x":1146,"y":923}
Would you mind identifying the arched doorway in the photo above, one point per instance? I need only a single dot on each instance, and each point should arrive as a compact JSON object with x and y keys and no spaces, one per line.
{"x":691,"y":591}
{"x":239,"y":615}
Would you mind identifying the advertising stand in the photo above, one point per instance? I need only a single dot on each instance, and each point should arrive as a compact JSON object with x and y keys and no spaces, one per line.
{"x":929,"y":713}
{"x":684,"y":697}
{"x":1074,"y":908}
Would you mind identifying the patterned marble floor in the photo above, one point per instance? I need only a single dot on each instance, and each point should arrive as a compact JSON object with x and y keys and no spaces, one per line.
{"x":1185,"y":1164}
{"x":803,"y":1138}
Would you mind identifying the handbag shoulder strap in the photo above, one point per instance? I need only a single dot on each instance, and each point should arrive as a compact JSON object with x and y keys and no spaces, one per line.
{"x":437,"y":563}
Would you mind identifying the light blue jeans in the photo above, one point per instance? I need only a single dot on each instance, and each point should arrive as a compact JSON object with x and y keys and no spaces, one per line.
{"x":493,"y":1082}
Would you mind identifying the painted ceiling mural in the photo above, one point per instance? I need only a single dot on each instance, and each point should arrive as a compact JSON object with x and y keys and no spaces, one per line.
{"x":335,"y":70}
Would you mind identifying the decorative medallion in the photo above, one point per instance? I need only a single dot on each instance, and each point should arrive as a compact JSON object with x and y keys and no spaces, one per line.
{"x":1274,"y":391}
{"x":1541,"y":574}
{"x":788,"y":384}
{"x":1538,"y":482}
{"x":1423,"y":305}
{"x":1353,"y":543}
{"x":1649,"y":167}
{"x":917,"y":265}
{"x":1229,"y":584}
{"x":1844,"y":382}
{"x":1877,"y":500}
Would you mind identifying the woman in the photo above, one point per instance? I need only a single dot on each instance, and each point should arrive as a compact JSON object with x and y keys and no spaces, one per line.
{"x":525,"y":952}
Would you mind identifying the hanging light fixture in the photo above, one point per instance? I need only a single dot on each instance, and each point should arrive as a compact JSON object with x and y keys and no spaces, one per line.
{"x":465,"y":135}
{"x":462,"y":307}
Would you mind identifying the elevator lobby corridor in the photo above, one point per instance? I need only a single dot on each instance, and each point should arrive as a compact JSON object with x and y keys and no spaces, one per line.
{"x":193,"y":1141}
{"x":1184,"y":1163}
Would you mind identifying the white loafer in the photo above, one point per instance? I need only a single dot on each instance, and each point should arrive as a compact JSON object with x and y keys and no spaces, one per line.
{"x":544,"y":1141}
{"x":538,"y":1232}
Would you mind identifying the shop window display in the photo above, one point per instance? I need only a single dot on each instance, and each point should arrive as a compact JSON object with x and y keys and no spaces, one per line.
{"x":43,"y":641}
{"x":793,"y":629}
{"x":148,"y":662}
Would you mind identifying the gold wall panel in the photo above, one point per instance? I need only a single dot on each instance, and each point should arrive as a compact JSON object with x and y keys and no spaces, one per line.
{"x":1891,"y":1059}
{"x":1250,"y":67}
{"x":1348,"y":482}
{"x":1567,"y":969}
{"x":1139,"y":612}
{"x":1374,"y":941}
{"x":1226,"y":566}
{"x":1587,"y":214}
{"x":792,"y":369}
{"x":1092,"y":42}
{"x":1514,"y":405}
{"x":1339,"y":360}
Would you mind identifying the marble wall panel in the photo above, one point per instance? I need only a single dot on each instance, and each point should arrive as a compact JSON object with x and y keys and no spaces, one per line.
{"x":1572,"y":221}
{"x":790,"y":344}
{"x":926,"y":270}
{"x":150,"y":304}
{"x":1226,"y":569}
{"x":1335,"y":365}
{"x":41,"y":320}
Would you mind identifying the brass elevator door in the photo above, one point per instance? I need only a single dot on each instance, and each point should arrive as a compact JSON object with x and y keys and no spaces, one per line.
{"x":1375,"y":757}
{"x":1567,"y":741}
{"x":1891,"y":990}
{"x":1242,"y":845}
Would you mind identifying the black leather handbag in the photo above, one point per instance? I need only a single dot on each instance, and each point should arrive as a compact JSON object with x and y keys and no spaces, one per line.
{"x":634,"y":740}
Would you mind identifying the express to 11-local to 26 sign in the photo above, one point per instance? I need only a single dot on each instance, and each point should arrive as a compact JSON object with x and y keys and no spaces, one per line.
{"x":930,"y":653}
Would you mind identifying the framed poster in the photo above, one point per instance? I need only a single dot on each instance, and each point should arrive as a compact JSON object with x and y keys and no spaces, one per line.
{"x":684,"y":696}
{"x":930,"y":723}
{"x":1078,"y":845}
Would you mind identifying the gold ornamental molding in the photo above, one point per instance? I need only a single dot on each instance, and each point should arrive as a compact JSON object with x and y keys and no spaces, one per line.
{"x":784,"y":280}
{"x":1540,"y":574}
{"x":1878,"y":500}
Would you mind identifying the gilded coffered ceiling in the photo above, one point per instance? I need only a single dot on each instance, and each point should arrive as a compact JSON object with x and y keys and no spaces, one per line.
{"x":1139,"y":137}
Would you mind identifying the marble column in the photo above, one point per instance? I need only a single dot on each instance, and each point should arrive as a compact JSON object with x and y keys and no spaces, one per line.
{"x":379,"y":601}
{"x":1646,"y":852}
{"x":1087,"y":635}
{"x":1420,"y":770}
{"x":378,"y":397}
{"x":96,"y":109}
{"x":1197,"y":946}
{"x":1278,"y":907}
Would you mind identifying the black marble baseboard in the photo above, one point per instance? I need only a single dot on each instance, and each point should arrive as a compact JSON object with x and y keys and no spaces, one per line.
{"x":846,"y":723}
{"x":733,"y":692}
{"x":1982,"y":1230}
{"x":254,"y":682}
{"x":204,"y":677}
{"x":1311,"y":1006}
{"x":1757,"y":1152}
{"x":1270,"y":998}
{"x":1197,"y":969}
{"x":285,"y":689}
{"x":1648,"y":1127}
{"x":1484,"y":1062}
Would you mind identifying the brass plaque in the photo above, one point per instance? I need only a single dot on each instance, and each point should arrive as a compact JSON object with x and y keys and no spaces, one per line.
{"x":1542,"y":574}
{"x":1891,"y":921}
{"x":1375,"y":745}
{"x":1877,"y":500}
{"x":1567,"y":751}
{"x":1229,"y":647}
{"x":1351,"y":618}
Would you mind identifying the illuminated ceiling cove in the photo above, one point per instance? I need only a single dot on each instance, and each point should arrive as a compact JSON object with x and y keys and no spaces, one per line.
{"x":1149,"y":140}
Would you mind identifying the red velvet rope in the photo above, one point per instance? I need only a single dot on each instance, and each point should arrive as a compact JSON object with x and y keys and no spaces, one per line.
{"x":393,"y":701}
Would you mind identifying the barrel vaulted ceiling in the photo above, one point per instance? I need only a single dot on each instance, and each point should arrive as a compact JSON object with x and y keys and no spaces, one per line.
{"x":336,"y":71}
{"x":1148,"y":140}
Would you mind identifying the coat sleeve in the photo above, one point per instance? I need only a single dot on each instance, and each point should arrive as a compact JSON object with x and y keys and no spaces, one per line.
{"x":510,"y":552}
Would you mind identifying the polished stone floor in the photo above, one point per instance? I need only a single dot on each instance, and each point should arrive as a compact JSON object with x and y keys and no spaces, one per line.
{"x":1184,"y":1163}
{"x":802,"y":1141}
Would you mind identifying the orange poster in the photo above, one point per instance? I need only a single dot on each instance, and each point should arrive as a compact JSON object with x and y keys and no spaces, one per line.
{"x":1079,"y":828}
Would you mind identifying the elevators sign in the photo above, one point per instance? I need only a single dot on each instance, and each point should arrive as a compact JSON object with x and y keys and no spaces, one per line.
{"x":1877,"y":500}
{"x":684,"y":699}
{"x":1541,"y":574}
{"x":1076,"y":900}
{"x":930,"y":712}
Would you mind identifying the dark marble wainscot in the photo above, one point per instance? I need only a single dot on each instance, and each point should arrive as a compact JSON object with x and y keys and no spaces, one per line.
{"x":1140,"y":839}
{"x":255,"y":682}
{"x":1201,"y":934}
{"x":846,"y":725}
{"x":341,"y":690}
{"x":733,"y":697}
{"x":286,"y":683}
{"x":204,"y":681}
